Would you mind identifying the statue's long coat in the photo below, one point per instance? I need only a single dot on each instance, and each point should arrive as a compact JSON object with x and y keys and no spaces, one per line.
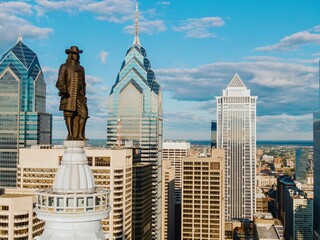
{"x":71,"y":80}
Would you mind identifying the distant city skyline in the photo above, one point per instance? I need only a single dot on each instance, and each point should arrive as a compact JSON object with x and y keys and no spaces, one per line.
{"x":195,"y":50}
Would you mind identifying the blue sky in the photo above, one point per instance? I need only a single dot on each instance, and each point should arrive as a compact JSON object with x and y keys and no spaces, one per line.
{"x":195,"y":47}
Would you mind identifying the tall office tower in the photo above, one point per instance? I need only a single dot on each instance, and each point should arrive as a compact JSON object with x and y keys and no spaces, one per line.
{"x":135,"y":117}
{"x":203,"y":197}
{"x":316,"y":162}
{"x":213,"y":134}
{"x":301,"y":164}
{"x":23,"y":117}
{"x":236,"y":134}
{"x":283,"y":183}
{"x":175,"y":152}
{"x":112,"y":170}
{"x":168,"y":201}
{"x":141,"y":197}
{"x":298,"y":223}
{"x":141,"y":201}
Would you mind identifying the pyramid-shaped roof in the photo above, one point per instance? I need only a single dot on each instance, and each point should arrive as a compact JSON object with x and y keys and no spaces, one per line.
{"x":26,"y":58}
{"x":136,"y":62}
{"x":236,"y":82}
{"x":25,"y":55}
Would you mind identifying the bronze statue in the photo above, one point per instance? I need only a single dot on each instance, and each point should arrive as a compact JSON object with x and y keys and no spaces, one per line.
{"x":72,"y":90}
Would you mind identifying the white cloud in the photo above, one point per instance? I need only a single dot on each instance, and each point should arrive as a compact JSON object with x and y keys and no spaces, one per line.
{"x":316,"y":28}
{"x":176,"y":123}
{"x":115,"y":19}
{"x":285,"y":126}
{"x":294,"y":41}
{"x":103,"y":56}
{"x":281,"y":87}
{"x":164,"y":3}
{"x":264,"y":73}
{"x":93,"y":84}
{"x":14,"y":26}
{"x":16,"y":7}
{"x":199,"y":28}
{"x":109,"y":7}
{"x":148,"y":27}
{"x":115,"y":11}
{"x":13,"y":23}
{"x":108,"y":10}
{"x":67,"y":5}
{"x":284,"y":121}
{"x":263,"y":58}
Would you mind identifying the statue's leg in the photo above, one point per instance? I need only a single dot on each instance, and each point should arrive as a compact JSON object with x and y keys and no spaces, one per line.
{"x":68,"y":116}
{"x":83,"y":116}
{"x":82,"y":126}
{"x":76,"y":127}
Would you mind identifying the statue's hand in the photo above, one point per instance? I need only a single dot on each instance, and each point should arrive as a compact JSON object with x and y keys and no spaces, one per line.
{"x":64,"y":95}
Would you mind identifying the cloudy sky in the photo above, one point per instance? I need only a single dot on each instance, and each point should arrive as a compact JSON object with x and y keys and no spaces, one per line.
{"x":195,"y":47}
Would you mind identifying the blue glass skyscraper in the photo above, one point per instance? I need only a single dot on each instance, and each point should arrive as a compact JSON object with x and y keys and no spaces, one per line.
{"x":301,"y":164}
{"x":135,"y":118}
{"x":316,"y":162}
{"x":213,"y":134}
{"x":23,"y":118}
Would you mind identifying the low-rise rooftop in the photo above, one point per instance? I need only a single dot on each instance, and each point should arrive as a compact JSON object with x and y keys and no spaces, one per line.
{"x":266,"y":232}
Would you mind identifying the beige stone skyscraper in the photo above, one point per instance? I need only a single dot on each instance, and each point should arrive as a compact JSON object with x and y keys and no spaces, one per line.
{"x":236,"y":134}
{"x":175,"y":152}
{"x":168,"y":201}
{"x":202,"y":214}
{"x":17,"y":219}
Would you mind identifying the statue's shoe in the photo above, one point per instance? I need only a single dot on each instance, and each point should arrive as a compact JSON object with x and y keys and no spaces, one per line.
{"x":70,"y":137}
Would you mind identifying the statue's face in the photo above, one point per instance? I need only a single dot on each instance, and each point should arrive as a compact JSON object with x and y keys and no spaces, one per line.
{"x":75,"y":56}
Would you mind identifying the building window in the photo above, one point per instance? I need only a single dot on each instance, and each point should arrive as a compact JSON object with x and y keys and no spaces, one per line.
{"x":4,"y":208}
{"x":102,"y":161}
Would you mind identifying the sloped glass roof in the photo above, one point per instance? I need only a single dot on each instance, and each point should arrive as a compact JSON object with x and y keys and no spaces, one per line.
{"x":15,"y":70}
{"x":35,"y":72}
{"x":147,"y":75}
{"x":25,"y":55}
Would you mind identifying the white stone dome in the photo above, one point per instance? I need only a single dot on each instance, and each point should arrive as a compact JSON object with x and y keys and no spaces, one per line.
{"x":74,"y":174}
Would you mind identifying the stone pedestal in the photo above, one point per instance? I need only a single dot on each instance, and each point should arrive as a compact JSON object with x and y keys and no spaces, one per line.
{"x":73,"y":208}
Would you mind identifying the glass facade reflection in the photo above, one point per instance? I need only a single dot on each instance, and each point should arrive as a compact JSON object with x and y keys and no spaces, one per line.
{"x":23,"y":120}
{"x":213,"y":134}
{"x":316,"y":160}
{"x":301,"y":164}
{"x":135,"y":118}
{"x":236,"y":134}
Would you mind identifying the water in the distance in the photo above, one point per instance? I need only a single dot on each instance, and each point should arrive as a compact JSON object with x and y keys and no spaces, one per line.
{"x":102,"y":142}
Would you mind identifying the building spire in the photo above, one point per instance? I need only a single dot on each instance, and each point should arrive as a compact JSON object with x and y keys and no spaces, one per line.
{"x":19,"y":38}
{"x":136,"y":27}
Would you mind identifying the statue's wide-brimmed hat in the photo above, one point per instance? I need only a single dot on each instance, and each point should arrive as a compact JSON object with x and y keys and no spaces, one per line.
{"x":73,"y":49}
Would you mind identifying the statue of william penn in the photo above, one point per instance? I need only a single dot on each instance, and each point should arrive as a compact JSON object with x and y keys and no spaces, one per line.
{"x":72,"y":90}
